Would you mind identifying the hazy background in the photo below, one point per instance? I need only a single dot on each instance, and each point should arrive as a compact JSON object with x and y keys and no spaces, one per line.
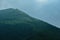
{"x":46,"y":10}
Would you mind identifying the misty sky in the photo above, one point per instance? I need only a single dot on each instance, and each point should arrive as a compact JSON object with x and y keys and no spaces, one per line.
{"x":46,"y":10}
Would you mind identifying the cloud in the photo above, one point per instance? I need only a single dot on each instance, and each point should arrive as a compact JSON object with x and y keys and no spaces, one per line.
{"x":5,"y":4}
{"x":42,"y":2}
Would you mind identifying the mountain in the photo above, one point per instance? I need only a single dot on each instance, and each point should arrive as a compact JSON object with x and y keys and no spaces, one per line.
{"x":17,"y":25}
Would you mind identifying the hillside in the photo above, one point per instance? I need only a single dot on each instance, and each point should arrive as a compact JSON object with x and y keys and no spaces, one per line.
{"x":17,"y":25}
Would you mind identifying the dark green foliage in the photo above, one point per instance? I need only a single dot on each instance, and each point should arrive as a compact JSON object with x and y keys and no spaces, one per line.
{"x":16,"y":25}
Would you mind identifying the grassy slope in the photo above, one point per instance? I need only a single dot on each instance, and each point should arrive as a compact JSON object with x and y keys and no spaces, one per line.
{"x":16,"y":25}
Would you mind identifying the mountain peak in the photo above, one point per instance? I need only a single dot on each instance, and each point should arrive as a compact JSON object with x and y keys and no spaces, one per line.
{"x":8,"y":9}
{"x":14,"y":15}
{"x":12,"y":11}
